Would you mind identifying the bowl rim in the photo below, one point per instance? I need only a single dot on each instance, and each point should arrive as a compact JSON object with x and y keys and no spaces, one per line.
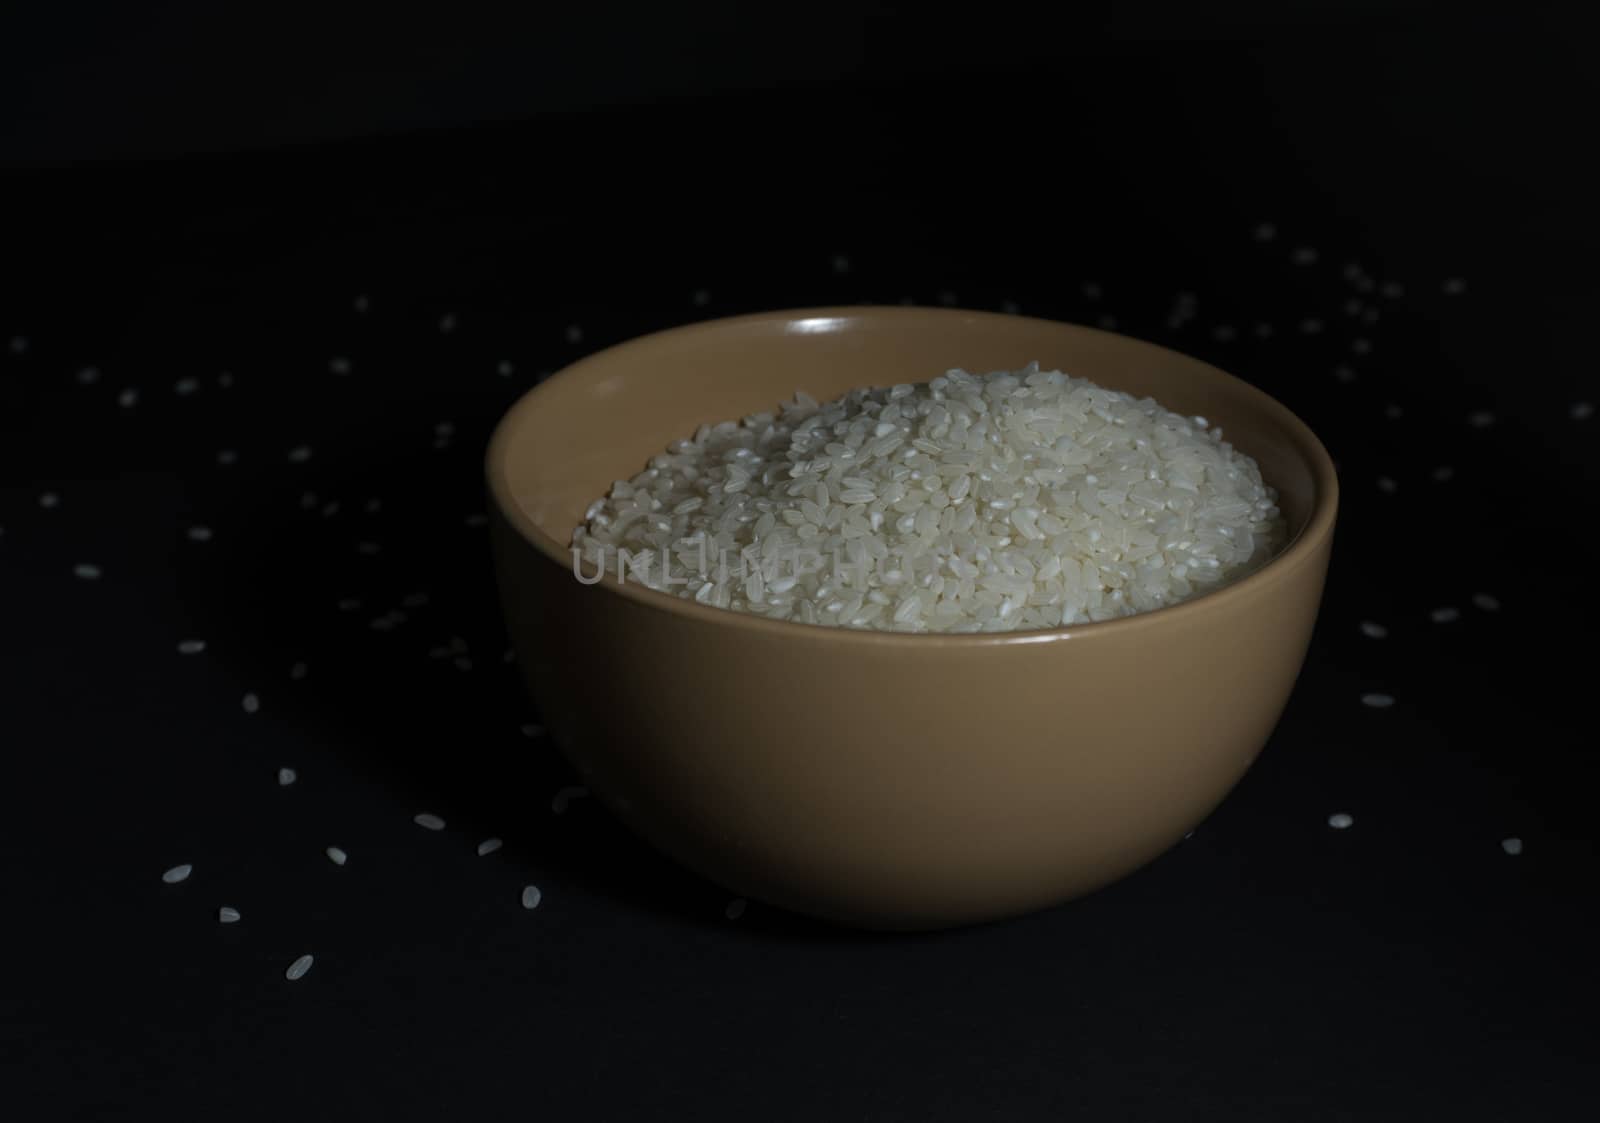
{"x":1301,"y":550}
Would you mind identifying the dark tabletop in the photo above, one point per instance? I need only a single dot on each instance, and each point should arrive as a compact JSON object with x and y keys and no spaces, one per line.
{"x":302,"y":352}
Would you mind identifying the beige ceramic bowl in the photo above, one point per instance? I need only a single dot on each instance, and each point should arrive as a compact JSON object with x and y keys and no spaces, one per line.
{"x":878,"y":779}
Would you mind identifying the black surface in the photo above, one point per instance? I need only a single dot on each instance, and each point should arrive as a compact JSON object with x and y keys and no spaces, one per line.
{"x":1268,"y":968}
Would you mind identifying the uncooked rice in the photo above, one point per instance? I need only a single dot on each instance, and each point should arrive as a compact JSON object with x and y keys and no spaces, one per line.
{"x":971,"y":503}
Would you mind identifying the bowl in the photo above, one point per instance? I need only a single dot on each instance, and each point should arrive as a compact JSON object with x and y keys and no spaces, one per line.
{"x":876,"y":779}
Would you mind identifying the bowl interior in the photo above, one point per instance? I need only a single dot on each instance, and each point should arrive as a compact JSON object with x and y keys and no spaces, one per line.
{"x":602,"y":418}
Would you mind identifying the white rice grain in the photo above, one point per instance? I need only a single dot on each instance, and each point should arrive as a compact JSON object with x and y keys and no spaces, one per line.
{"x":297,"y":970}
{"x":1485,"y":603}
{"x":86,"y":572}
{"x":1512,"y":846}
{"x":191,"y":646}
{"x":1445,"y":615}
{"x":227,"y":915}
{"x":1378,"y":701}
{"x":251,"y":703}
{"x":1373,"y":630}
{"x":1340,"y":821}
{"x":489,"y":846}
{"x":531,"y":896}
{"x":287,"y":776}
{"x":337,"y":856}
{"x":199,"y":534}
{"x":178,"y":873}
{"x":428,"y":822}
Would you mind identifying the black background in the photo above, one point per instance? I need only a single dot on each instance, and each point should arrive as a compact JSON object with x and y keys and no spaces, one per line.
{"x":186,"y":197}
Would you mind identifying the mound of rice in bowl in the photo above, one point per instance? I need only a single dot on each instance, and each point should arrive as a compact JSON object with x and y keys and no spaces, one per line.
{"x":970,"y":503}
